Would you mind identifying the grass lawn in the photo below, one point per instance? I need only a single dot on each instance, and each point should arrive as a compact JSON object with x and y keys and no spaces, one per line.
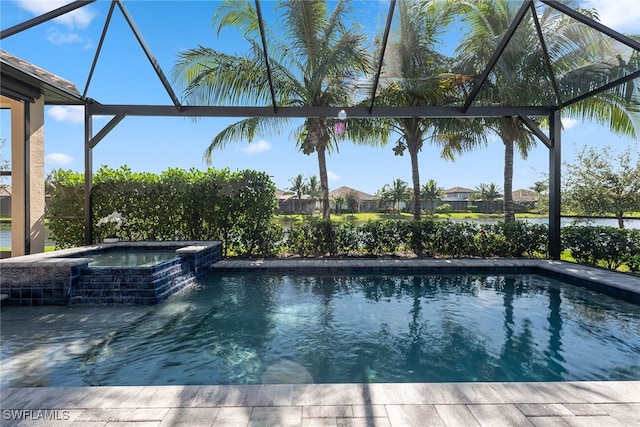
{"x":364,"y":217}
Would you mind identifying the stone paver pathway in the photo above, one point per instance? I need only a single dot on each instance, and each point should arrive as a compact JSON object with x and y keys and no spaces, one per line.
{"x":607,"y":404}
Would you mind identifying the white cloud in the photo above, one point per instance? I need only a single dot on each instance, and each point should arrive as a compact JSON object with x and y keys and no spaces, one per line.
{"x":620,"y":15}
{"x":79,"y":18}
{"x":57,"y":37}
{"x":568,"y":122}
{"x":62,"y":113}
{"x":332,"y":176}
{"x":58,"y":159}
{"x":257,"y":147}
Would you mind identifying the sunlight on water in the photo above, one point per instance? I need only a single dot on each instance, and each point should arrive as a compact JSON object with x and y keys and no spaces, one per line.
{"x":251,"y":329}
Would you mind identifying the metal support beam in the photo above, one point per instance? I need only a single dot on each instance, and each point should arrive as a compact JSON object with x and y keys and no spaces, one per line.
{"x":385,"y":40}
{"x":497,"y":53}
{"x":43,"y":18}
{"x":547,"y":58}
{"x":88,"y":178}
{"x":554,"y":186}
{"x":150,"y":57}
{"x":105,"y":130}
{"x":533,"y":127}
{"x":307,"y":111}
{"x":263,"y":37}
{"x":99,"y":48}
{"x":604,"y":88}
{"x":592,"y":23}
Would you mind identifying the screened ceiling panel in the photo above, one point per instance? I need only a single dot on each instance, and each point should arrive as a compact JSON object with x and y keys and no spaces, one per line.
{"x":522,"y":73}
{"x":387,"y":54}
{"x":596,"y":61}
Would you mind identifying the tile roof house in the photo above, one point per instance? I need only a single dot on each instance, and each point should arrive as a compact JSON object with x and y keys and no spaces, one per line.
{"x":458,"y":193}
{"x":366,"y":201}
{"x":524,"y":196}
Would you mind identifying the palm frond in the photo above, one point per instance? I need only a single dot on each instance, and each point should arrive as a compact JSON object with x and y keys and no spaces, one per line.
{"x":245,"y":129}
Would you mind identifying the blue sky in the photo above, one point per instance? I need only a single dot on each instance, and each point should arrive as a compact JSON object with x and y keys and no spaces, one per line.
{"x":123,"y":75}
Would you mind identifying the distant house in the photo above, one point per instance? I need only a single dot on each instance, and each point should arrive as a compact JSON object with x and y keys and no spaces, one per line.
{"x":288,"y":203}
{"x":5,"y":201}
{"x":458,"y":194}
{"x":366,"y":202}
{"x":524,"y":197}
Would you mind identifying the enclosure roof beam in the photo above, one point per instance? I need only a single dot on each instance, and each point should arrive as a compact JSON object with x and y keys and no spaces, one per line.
{"x":611,"y":85}
{"x":106,"y":129}
{"x":263,"y":38}
{"x":150,"y":57}
{"x":497,"y":53}
{"x":533,"y":127}
{"x":593,"y":23}
{"x":99,"y":48}
{"x":385,"y":40}
{"x":43,"y":18}
{"x":310,"y":111}
{"x":547,"y":58}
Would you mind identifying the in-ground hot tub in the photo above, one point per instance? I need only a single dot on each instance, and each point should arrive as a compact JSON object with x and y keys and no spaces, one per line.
{"x":119,"y":273}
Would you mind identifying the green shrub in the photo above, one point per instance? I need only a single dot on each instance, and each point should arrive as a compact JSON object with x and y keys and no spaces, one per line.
{"x":66,"y":208}
{"x":444,"y":208}
{"x":597,"y":245}
{"x":236,"y":208}
{"x":456,"y":239}
{"x":421,"y":237}
{"x":382,"y":237}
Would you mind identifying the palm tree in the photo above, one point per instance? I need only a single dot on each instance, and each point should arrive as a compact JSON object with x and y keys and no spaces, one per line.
{"x":352,"y":200}
{"x":431,"y":192}
{"x":339,"y":201}
{"x":299,"y":188}
{"x":383,"y":196}
{"x":312,"y":64}
{"x":539,"y":187}
{"x":520,"y":77}
{"x":398,"y":192}
{"x":416,"y":74}
{"x":488,"y":193}
{"x":313,"y":188}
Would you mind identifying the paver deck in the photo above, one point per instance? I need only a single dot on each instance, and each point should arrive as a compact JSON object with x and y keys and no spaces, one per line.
{"x":603,"y":403}
{"x":607,"y":404}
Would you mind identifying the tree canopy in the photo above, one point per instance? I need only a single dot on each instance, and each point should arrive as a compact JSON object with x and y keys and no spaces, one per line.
{"x":602,"y":182}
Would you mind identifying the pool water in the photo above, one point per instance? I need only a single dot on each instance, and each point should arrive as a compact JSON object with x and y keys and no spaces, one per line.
{"x":130,"y":258}
{"x":248,"y":329}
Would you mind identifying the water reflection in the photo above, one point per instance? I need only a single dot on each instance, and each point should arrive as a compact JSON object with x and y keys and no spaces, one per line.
{"x":244,"y":329}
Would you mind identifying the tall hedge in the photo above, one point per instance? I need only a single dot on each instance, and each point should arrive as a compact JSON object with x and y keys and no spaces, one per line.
{"x":234,"y":207}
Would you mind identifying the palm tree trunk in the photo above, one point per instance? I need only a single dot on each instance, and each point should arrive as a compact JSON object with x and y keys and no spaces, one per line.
{"x":509,"y":214}
{"x":619,"y":215}
{"x":324,"y":182}
{"x":415,"y":176}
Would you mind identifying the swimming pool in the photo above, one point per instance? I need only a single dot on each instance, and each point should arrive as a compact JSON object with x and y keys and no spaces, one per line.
{"x":331,"y":328}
